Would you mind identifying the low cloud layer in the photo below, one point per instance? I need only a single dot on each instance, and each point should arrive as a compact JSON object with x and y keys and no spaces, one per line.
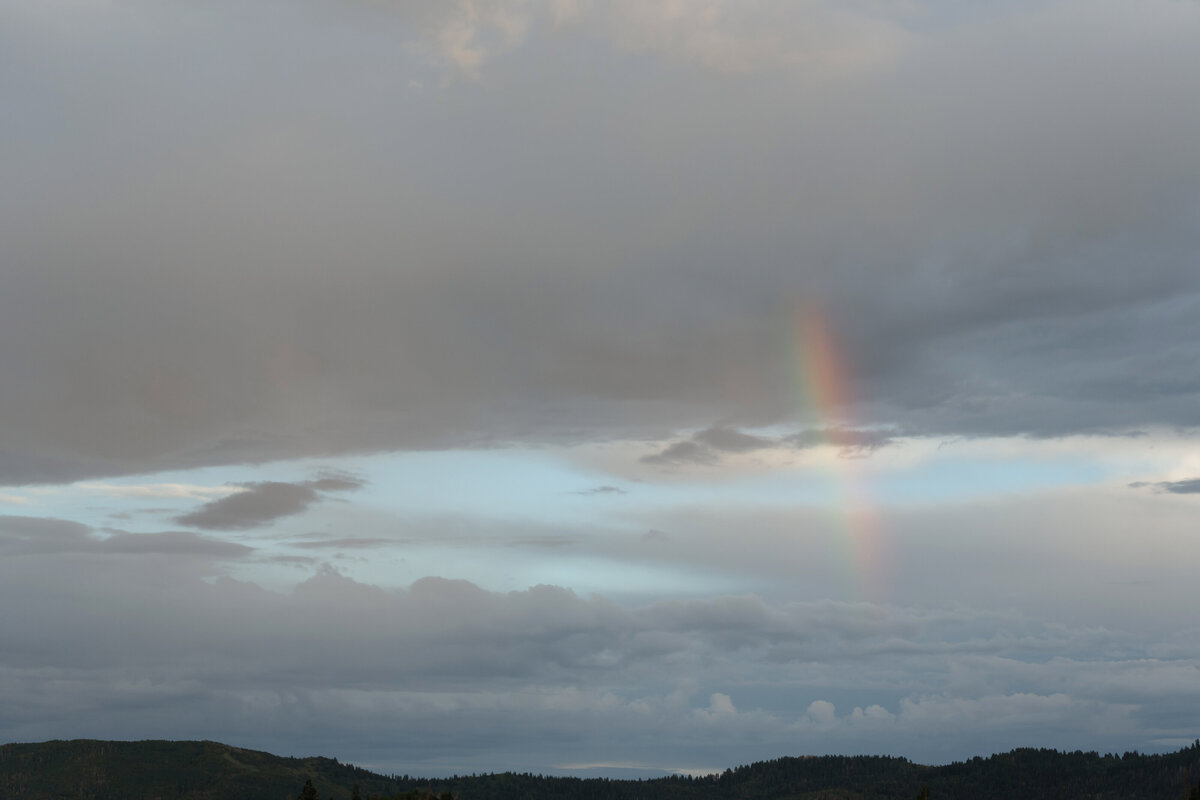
{"x":33,"y":535}
{"x":568,"y":677}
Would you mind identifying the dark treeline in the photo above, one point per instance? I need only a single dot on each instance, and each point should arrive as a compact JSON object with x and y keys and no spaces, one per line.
{"x":1024,"y":774}
{"x":93,"y":770}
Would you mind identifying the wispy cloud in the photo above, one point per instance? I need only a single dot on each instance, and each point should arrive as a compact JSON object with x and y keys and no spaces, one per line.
{"x":601,"y":490}
{"x":709,"y":446}
{"x":260,"y":503}
{"x":1190,"y":486}
{"x":345,"y":543}
{"x":179,"y":490}
{"x":57,"y":537}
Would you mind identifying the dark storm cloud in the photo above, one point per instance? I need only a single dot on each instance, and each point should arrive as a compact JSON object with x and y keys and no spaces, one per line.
{"x":263,"y":502}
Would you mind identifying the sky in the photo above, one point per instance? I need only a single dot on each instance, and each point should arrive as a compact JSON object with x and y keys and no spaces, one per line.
{"x":600,"y":387}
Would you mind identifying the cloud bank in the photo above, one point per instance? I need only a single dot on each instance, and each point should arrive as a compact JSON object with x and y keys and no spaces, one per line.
{"x":204,"y":270}
{"x":445,"y":666}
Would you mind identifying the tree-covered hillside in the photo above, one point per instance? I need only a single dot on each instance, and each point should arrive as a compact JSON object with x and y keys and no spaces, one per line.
{"x":156,"y":770}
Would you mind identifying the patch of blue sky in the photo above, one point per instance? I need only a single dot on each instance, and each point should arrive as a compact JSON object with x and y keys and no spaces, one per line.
{"x":621,"y":580}
{"x":525,"y":484}
{"x":97,"y":509}
{"x":946,"y":479}
{"x":953,"y":478}
{"x":508,"y":483}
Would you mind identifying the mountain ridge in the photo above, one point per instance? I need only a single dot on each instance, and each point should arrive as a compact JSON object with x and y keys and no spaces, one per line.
{"x":89,"y":769}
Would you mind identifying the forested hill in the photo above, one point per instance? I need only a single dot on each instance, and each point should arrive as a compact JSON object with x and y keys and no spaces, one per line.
{"x":156,"y":770}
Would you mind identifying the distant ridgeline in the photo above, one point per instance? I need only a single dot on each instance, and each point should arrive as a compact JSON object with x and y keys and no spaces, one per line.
{"x":154,"y":770}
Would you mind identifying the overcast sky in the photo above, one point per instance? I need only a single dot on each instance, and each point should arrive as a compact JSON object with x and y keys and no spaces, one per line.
{"x":630,"y":386}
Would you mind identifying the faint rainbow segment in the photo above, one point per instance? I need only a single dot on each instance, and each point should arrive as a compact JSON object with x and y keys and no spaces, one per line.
{"x":825,"y":393}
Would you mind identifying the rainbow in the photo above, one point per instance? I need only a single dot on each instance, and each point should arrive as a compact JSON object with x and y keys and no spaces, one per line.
{"x":823,"y":379}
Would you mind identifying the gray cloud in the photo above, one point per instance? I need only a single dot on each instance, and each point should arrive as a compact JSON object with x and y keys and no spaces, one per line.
{"x":546,"y":541}
{"x":1190,"y":486}
{"x":174,"y":543}
{"x":707,"y":446}
{"x":157,"y":328}
{"x":482,"y":669}
{"x":346,"y":542}
{"x":263,"y":502}
{"x":849,"y":441}
{"x":686,"y":451}
{"x":290,"y":560}
{"x":730,"y":441}
{"x":600,"y":490}
{"x":31,"y":536}
{"x":336,"y":481}
{"x":41,"y":528}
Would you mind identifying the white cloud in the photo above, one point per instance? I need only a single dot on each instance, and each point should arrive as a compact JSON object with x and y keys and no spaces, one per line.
{"x":821,"y":712}
{"x":720,"y":705}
